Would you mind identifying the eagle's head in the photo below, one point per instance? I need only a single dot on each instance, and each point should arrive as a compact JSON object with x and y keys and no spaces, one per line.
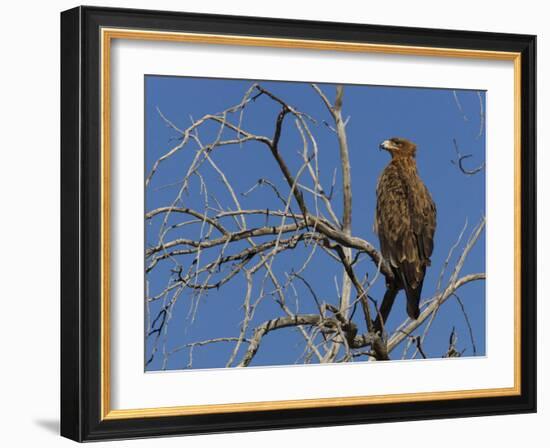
{"x":399,"y":147}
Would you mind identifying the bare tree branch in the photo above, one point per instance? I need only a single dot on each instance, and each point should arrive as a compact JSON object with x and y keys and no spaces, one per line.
{"x":460,"y":158}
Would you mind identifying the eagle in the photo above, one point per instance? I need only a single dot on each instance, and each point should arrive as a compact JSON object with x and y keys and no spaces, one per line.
{"x":405,"y":223}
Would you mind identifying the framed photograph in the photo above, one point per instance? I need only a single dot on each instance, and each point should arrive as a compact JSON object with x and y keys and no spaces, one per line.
{"x":273,"y":224}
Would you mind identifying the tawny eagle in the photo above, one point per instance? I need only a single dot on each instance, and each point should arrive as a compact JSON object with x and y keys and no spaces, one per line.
{"x":405,"y":223}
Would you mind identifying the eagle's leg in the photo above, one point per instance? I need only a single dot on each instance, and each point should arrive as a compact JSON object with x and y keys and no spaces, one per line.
{"x":385,"y":308}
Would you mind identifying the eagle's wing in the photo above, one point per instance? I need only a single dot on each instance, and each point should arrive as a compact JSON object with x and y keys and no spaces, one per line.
{"x":405,"y":223}
{"x":423,"y":219}
{"x":422,"y":213}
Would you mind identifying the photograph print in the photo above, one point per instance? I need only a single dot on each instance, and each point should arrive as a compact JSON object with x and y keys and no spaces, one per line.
{"x":291,"y":223}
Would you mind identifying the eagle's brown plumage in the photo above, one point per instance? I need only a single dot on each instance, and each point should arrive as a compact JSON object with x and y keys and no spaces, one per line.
{"x":405,"y":224}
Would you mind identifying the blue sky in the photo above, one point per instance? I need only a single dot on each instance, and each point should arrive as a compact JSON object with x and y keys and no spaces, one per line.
{"x":429,"y":117}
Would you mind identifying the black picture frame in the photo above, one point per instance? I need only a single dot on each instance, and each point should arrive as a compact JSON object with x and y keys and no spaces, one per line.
{"x":81,"y":414}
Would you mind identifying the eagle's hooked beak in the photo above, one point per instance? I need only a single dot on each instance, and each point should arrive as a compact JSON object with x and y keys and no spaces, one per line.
{"x":383,"y":145}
